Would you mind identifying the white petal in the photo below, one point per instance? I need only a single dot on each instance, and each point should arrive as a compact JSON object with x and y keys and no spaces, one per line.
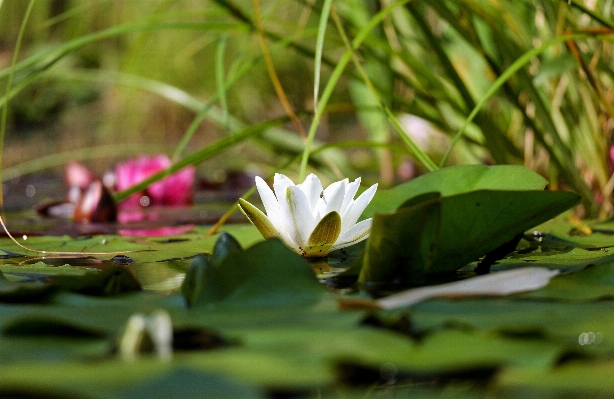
{"x":268,"y":200}
{"x":356,"y":234}
{"x":332,"y":198}
{"x":280,"y":182}
{"x":350,"y":192}
{"x":286,"y":225}
{"x":298,"y":219}
{"x":352,"y":214}
{"x":312,"y":187}
{"x":286,"y":239}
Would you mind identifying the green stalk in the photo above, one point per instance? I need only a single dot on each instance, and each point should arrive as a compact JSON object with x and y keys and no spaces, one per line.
{"x":219,"y":78}
{"x":221,"y":90}
{"x":319,"y":48}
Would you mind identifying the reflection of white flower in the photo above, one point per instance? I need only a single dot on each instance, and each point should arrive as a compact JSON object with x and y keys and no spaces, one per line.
{"x":310,"y":220}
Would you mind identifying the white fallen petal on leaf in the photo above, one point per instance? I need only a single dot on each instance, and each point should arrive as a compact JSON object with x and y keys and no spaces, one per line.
{"x":494,"y":284}
{"x":295,"y":212}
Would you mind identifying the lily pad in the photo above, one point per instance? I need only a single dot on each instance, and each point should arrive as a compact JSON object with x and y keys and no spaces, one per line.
{"x":594,"y":282}
{"x":565,"y":259}
{"x":455,"y":180}
{"x":443,"y":234}
{"x":575,"y":379}
{"x":266,"y":274}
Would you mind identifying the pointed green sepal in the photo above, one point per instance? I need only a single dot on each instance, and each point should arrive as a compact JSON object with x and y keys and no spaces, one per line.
{"x":259,"y":219}
{"x":324,"y":235}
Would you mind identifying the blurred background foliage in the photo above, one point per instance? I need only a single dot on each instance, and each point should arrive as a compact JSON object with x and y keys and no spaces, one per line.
{"x":175,"y":76}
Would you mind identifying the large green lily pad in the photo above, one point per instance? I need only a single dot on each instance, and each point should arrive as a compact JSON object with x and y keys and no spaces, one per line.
{"x":442,"y":234}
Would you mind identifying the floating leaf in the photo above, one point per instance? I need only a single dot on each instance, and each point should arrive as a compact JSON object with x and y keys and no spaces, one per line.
{"x":110,"y":281}
{"x":48,"y":327}
{"x":267,"y":274}
{"x":443,"y":234}
{"x":225,"y":245}
{"x":575,"y":379}
{"x":594,"y":282}
{"x":201,"y":268}
{"x":184,"y":246}
{"x":561,"y":322}
{"x":565,"y":259}
{"x":455,"y":180}
{"x":189,"y":384}
{"x":24,"y":292}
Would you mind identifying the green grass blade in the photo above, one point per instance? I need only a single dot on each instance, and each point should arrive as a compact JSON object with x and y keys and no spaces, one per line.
{"x":334,"y":79}
{"x":219,"y":77}
{"x":508,"y":73}
{"x":602,"y":20}
{"x":202,"y":154}
{"x":81,"y":154}
{"x":416,"y":151}
{"x":319,"y":49}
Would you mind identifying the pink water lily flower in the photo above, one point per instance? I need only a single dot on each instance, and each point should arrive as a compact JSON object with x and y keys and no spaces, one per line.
{"x":173,"y":190}
{"x":311,"y":220}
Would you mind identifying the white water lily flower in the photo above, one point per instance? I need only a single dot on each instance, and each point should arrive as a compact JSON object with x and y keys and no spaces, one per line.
{"x":309,"y":219}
